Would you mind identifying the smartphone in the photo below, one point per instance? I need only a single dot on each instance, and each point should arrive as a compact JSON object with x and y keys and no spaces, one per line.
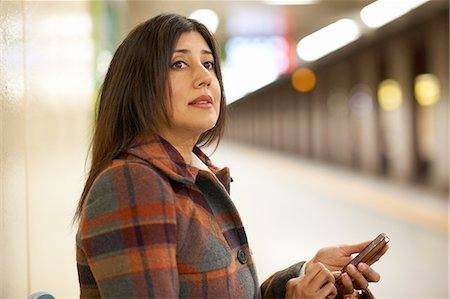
{"x":369,"y":251}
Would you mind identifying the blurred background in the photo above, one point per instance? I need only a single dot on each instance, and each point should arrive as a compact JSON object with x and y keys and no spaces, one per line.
{"x":337,"y":130}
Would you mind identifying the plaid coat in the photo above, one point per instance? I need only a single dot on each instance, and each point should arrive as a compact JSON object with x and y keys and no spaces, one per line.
{"x":154,"y":227}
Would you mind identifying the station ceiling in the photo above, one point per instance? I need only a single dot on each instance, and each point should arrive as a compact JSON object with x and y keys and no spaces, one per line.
{"x":256,"y":17}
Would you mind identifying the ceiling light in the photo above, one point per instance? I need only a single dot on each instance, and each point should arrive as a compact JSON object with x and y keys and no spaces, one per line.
{"x":208,"y":17}
{"x":382,"y":12}
{"x":327,"y":39}
{"x":291,"y":2}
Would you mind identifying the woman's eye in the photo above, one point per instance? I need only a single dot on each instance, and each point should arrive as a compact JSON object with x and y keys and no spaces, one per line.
{"x":209,"y":65}
{"x":178,"y":64}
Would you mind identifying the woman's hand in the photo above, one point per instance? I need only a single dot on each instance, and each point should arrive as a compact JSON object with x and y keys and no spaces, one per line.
{"x":356,"y":278}
{"x":336,"y":257}
{"x":317,"y":283}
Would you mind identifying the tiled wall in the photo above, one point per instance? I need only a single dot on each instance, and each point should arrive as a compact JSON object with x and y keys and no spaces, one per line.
{"x":46,"y":91}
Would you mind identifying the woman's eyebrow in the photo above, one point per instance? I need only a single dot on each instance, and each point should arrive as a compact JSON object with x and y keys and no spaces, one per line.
{"x":185,"y":51}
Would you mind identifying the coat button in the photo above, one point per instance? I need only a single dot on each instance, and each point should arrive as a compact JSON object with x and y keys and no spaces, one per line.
{"x":242,"y":257}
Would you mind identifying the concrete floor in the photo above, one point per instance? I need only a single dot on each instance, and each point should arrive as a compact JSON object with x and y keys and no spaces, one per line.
{"x":293,"y":207}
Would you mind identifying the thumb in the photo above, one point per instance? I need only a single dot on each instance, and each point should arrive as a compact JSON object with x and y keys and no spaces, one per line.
{"x":354,"y":248}
{"x":336,"y":274}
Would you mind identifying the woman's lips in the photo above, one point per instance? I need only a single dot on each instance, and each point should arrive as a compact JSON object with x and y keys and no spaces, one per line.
{"x":203,"y":101}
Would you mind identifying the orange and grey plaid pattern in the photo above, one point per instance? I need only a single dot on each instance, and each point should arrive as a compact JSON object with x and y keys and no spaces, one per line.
{"x":154,"y":227}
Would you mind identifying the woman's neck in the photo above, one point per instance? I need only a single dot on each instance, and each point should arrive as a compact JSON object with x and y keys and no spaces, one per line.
{"x":184,"y":145}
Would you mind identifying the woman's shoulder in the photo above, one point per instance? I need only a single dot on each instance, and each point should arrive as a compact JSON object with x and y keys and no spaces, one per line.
{"x":128,"y":182}
{"x":124,"y":191}
{"x":129,"y":175}
{"x":131,"y":169}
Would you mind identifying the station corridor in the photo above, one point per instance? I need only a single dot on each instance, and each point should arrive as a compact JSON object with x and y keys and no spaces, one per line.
{"x":293,"y":207}
{"x":379,"y":103}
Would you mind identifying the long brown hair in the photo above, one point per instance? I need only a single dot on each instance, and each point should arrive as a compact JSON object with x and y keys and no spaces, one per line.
{"x":133,"y":98}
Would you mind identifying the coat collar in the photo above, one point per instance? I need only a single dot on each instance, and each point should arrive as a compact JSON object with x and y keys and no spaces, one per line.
{"x":162,"y":155}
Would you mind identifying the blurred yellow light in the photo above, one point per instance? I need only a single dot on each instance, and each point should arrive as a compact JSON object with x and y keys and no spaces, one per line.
{"x":390,"y":95}
{"x":427,"y":89}
{"x":303,"y":79}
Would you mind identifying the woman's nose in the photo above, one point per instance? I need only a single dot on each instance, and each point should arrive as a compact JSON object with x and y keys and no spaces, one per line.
{"x":203,"y":77}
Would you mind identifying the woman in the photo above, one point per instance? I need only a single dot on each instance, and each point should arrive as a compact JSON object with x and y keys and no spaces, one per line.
{"x":156,"y":219}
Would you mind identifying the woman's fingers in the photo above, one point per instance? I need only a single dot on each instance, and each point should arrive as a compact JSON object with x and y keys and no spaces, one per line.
{"x":370,"y":274}
{"x":318,"y":282}
{"x":359,"y":277}
{"x":322,"y":276}
{"x":359,"y":281}
{"x":354,"y":248}
{"x":346,"y":285}
{"x":327,"y":291}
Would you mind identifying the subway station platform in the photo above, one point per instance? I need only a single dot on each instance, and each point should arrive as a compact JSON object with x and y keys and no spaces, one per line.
{"x":291,"y":207}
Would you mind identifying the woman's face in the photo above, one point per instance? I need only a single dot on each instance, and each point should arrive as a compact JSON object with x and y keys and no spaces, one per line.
{"x":195,"y":94}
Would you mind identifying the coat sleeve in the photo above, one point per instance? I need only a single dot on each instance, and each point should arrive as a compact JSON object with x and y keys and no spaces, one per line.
{"x":128,"y":234}
{"x":275,"y":285}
